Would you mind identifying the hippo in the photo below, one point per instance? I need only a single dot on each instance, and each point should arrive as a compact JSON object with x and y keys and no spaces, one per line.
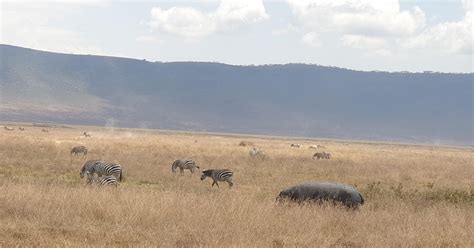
{"x":320,"y":192}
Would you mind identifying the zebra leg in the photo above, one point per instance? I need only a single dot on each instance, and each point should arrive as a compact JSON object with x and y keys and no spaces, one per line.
{"x":229,"y":181}
{"x":181,"y":170}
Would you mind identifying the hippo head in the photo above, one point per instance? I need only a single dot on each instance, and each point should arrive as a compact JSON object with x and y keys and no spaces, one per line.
{"x":284,"y":195}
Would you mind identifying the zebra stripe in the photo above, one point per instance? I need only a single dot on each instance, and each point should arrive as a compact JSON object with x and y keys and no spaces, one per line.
{"x":224,"y":175}
{"x":108,"y":180}
{"x":184,"y":164}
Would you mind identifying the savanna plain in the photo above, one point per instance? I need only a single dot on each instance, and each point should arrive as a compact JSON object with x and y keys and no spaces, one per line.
{"x":415,"y":196}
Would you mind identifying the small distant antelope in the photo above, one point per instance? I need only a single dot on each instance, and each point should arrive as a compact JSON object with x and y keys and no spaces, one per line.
{"x":8,"y":128}
{"x":87,"y":135}
{"x":296,"y":145}
{"x":45,"y":130}
{"x":254,"y":152}
{"x":21,"y":128}
{"x":315,"y":146}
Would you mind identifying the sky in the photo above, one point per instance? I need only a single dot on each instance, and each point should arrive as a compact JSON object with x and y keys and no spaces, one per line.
{"x":384,"y":35}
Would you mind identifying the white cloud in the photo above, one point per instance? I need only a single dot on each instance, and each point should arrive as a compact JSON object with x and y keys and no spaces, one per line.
{"x":360,"y":23}
{"x":311,"y":39}
{"x":363,"y":42}
{"x":359,"y":17}
{"x":450,"y":37}
{"x":182,"y":21}
{"x":190,"y":22}
{"x":147,"y":39}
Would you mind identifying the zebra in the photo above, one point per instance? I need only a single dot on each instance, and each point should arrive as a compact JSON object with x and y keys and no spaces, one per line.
{"x":21,"y":128}
{"x":100,"y":168}
{"x":8,"y":128}
{"x":322,"y":155}
{"x":79,"y":149}
{"x":224,"y":175}
{"x":296,"y":145}
{"x":184,"y":164}
{"x":108,"y":180}
{"x":87,"y":135}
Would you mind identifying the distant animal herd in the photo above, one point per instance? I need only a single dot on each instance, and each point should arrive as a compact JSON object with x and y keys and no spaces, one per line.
{"x":101,"y":172}
{"x":110,"y":173}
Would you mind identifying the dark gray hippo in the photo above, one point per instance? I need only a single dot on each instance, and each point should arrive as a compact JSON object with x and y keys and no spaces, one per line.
{"x":320,"y":192}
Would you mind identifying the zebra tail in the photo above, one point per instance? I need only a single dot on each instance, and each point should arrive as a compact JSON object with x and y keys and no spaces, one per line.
{"x":120,"y":177}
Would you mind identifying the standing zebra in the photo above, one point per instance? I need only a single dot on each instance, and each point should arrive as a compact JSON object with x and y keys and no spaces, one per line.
{"x":224,"y":175}
{"x":101,"y":167}
{"x":79,"y":149}
{"x":184,"y":164}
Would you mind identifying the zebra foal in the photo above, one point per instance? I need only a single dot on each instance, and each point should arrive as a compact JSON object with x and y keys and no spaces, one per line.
{"x":108,"y":180}
{"x":184,"y":164}
{"x":224,"y":175}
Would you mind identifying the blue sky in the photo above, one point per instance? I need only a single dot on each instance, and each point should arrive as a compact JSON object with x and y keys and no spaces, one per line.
{"x":386,"y":35}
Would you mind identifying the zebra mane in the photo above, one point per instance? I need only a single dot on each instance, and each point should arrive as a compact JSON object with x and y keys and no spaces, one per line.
{"x":207,"y":172}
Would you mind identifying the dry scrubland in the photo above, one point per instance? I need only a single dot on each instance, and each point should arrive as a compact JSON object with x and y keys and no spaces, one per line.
{"x":415,"y":196}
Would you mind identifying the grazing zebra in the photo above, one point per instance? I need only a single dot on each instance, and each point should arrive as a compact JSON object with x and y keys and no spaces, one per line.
{"x":224,"y":175}
{"x":184,"y":164}
{"x":101,"y":168}
{"x":44,"y":130}
{"x":79,"y":149}
{"x":296,"y":145}
{"x":21,"y":128}
{"x":8,"y":128}
{"x":107,"y":180}
{"x":322,"y":155}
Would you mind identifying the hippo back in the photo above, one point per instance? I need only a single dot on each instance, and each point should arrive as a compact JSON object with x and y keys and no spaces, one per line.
{"x":323,"y":191}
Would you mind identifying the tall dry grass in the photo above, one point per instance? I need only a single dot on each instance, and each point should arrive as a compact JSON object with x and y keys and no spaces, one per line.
{"x":415,"y":196}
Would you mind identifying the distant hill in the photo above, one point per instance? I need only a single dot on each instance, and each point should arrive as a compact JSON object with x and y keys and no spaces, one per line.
{"x":290,"y":100}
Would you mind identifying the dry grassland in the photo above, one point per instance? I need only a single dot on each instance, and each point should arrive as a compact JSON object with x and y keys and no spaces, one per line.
{"x":415,"y":196}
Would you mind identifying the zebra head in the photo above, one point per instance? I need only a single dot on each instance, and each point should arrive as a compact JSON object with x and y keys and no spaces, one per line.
{"x":206,"y":173}
{"x":83,"y":170}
